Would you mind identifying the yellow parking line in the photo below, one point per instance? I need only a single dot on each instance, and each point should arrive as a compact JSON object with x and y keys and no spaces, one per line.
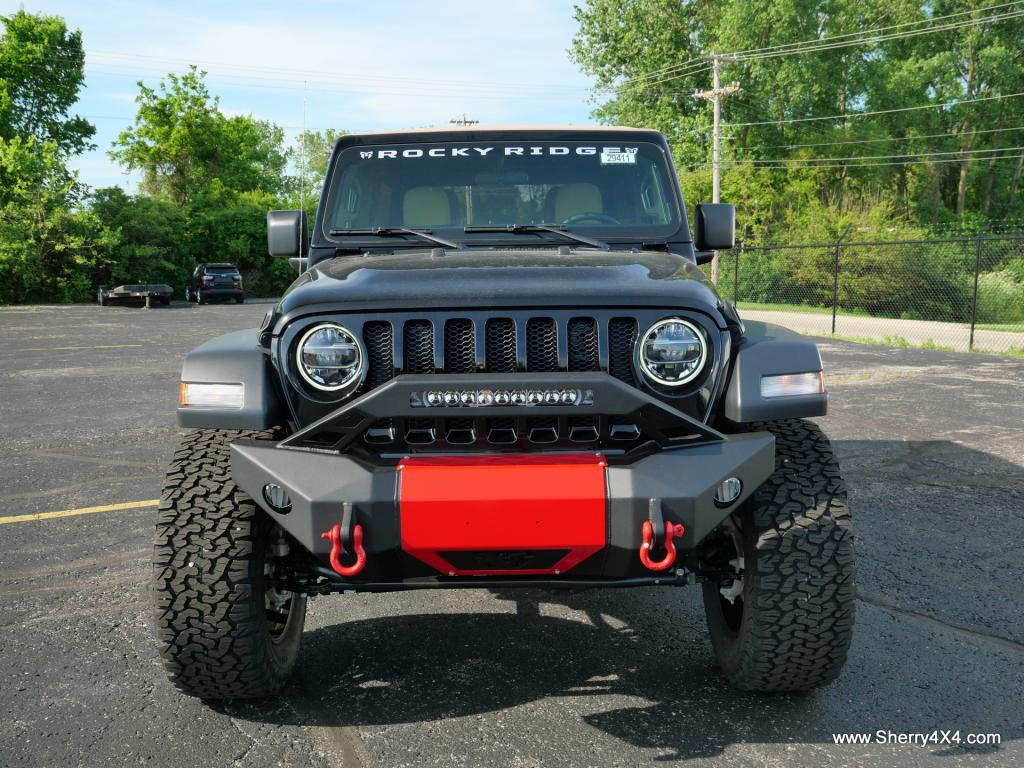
{"x":80,"y":511}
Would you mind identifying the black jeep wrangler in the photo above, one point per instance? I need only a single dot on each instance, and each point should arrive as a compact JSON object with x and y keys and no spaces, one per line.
{"x":500,"y":367}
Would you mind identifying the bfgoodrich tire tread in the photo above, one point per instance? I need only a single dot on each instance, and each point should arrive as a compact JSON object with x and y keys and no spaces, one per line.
{"x":798,"y":591}
{"x":211,"y":625}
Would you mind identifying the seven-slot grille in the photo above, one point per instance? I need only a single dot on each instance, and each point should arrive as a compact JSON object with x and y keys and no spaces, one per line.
{"x":500,"y":344}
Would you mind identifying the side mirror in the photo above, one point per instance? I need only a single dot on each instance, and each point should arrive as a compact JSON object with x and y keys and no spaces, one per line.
{"x":715,"y":229}
{"x":286,"y":232}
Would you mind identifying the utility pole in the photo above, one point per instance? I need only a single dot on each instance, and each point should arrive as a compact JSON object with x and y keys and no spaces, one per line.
{"x":463,"y":120}
{"x":715,"y":97}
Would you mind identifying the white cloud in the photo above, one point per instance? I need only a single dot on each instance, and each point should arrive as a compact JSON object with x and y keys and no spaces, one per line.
{"x":369,"y":65}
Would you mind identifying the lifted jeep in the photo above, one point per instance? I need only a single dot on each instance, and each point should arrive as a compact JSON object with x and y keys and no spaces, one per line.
{"x":501,"y":366}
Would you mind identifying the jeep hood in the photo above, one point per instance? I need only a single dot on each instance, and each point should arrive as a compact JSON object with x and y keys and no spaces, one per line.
{"x":489,"y":278}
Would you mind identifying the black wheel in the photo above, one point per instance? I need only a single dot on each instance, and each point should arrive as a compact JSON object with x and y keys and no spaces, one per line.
{"x":188,"y":295}
{"x":783,"y":619}
{"x":224,"y":631}
{"x":165,"y":301}
{"x":239,"y":299}
{"x":199,"y":297}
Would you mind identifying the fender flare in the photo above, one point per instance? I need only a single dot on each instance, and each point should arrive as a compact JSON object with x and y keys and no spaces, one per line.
{"x":234,"y":358}
{"x":771,"y":350}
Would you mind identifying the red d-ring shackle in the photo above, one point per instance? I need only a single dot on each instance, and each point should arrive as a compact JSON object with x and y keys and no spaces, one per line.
{"x":671,"y":531}
{"x":334,"y":536}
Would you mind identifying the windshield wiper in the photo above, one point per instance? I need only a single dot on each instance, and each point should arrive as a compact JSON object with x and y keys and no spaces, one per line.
{"x":386,"y":231}
{"x":517,"y":228}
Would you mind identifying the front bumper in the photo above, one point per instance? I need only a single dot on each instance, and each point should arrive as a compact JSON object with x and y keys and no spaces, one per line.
{"x":680,"y":473}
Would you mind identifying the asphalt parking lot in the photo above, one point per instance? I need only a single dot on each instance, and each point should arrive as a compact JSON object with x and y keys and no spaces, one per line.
{"x":932,"y":447}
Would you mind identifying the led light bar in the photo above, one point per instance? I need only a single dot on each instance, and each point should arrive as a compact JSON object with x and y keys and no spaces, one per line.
{"x":485,"y":398}
{"x":792,"y":384}
{"x":193,"y":395}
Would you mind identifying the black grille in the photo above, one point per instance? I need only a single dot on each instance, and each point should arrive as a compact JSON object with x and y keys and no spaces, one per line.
{"x":419,"y":358}
{"x":621,"y":338}
{"x":583,"y":345}
{"x":459,"y":346}
{"x":378,"y":336}
{"x":501,"y":345}
{"x":541,"y":344}
{"x":510,"y":344}
{"x":419,"y":347}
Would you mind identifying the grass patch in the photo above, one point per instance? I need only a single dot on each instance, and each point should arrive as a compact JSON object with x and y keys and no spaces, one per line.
{"x":901,"y":343}
{"x":755,"y":306}
{"x":1006,"y":327}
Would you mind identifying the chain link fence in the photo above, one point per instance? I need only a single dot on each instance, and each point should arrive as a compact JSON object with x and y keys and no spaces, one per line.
{"x":964,"y":293}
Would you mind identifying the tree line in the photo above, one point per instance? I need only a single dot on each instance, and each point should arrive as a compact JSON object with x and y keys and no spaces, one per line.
{"x":870,"y":120}
{"x":207,"y":179}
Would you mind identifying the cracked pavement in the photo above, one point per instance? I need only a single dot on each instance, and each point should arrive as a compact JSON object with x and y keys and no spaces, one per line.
{"x":932,"y":448}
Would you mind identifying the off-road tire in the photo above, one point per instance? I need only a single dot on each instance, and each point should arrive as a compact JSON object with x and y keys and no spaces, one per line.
{"x":796,"y":615}
{"x":211,"y":622}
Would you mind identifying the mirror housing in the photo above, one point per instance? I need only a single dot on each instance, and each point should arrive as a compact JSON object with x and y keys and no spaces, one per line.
{"x":286,"y":233}
{"x":298,"y":264}
{"x":715,"y":229}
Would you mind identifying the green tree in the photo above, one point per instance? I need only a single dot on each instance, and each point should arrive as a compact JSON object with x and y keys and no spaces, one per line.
{"x":647,"y":58}
{"x":41,"y":72}
{"x":183,"y":143}
{"x":150,"y":243}
{"x":49,"y":244}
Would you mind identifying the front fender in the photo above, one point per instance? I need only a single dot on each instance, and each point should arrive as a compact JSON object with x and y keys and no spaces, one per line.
{"x":771,"y":350}
{"x":234,"y":358}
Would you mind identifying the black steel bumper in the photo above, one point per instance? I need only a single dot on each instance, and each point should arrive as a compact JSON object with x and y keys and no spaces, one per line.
{"x":680,"y":465}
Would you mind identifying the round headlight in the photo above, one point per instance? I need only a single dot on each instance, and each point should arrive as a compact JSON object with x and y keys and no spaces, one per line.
{"x":672,"y":352}
{"x":330,"y":358}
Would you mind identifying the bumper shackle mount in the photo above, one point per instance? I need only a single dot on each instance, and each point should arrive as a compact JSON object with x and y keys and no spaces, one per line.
{"x":342,"y":536}
{"x":656,"y":532}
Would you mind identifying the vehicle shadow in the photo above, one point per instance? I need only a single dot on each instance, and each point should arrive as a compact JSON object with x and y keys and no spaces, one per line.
{"x":589,"y":650}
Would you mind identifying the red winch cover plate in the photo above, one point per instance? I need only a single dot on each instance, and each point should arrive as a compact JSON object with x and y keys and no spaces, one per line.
{"x":509,"y":504}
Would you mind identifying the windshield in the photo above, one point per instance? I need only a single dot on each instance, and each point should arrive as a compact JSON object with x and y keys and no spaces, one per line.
{"x":607,"y":190}
{"x":222,"y":270}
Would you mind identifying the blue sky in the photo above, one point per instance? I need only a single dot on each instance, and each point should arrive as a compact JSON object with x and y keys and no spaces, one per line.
{"x":367,"y":65}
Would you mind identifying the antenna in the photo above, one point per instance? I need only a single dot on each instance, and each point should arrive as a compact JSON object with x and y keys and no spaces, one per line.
{"x":302,"y":163}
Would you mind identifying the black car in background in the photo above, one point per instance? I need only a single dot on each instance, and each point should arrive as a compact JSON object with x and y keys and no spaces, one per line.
{"x":215,"y":281}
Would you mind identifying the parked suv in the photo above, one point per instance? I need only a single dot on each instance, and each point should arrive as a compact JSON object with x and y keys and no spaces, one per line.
{"x":215,"y":281}
{"x":501,"y":366}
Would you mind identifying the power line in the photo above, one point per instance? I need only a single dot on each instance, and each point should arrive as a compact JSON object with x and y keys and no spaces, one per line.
{"x":1013,"y":157}
{"x":848,"y":115}
{"x":882,"y":38}
{"x":826,"y":44}
{"x":820,"y":40}
{"x":869,"y":32}
{"x":299,"y":75}
{"x":887,"y":139}
{"x":810,"y":161}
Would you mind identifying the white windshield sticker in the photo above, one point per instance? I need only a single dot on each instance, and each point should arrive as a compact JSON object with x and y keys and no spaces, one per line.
{"x":608,"y":155}
{"x":616,"y":156}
